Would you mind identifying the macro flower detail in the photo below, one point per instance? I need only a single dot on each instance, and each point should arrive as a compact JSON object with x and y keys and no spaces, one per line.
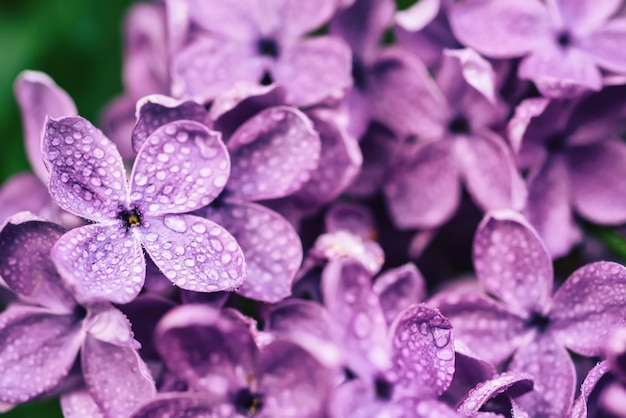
{"x":181,"y":167}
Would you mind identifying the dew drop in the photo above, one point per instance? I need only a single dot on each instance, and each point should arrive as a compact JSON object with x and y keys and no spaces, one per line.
{"x":175,"y":223}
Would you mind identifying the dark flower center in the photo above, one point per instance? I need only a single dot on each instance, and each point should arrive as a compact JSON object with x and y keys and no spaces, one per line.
{"x":247,"y":403}
{"x":459,"y":125}
{"x":268,"y":47}
{"x":130,"y":218}
{"x":556,"y":143}
{"x":564,"y":39}
{"x":359,"y":74}
{"x":79,"y":312}
{"x":267,"y":79}
{"x":539,"y":321}
{"x":383,"y":389}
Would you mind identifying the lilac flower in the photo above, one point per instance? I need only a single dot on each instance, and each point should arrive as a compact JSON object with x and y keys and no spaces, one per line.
{"x":218,"y":44}
{"x":43,"y":332}
{"x":563,"y":42}
{"x":214,"y":352}
{"x":180,"y":167}
{"x":527,"y":321}
{"x":576,"y":161}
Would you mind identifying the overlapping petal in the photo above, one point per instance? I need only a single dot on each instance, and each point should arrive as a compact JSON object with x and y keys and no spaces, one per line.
{"x":512,"y":262}
{"x":87,"y":176}
{"x":100,"y":262}
{"x":604,"y":45}
{"x":511,"y":382}
{"x":194,"y":253}
{"x":273,"y":154}
{"x":79,"y":404}
{"x":24,"y":192}
{"x":399,"y":288}
{"x":181,"y":167}
{"x":579,"y":409}
{"x":588,"y":305}
{"x":271,"y":246}
{"x":178,"y":405}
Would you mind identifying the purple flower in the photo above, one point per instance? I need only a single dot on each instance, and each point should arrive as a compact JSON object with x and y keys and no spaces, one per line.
{"x":528,"y":322}
{"x":215,"y":353}
{"x":181,"y":167}
{"x":42,"y":334}
{"x":217,"y":44}
{"x":563,"y":42}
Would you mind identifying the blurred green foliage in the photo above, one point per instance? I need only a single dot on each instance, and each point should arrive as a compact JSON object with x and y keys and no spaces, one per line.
{"x":77,"y":42}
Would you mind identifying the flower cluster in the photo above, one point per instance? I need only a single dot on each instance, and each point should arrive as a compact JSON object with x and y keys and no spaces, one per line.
{"x":327,"y":208}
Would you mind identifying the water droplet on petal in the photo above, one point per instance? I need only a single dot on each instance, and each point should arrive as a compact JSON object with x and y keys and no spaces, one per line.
{"x":175,"y":223}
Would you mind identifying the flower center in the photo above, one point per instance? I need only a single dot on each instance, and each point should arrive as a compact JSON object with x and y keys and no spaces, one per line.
{"x":564,"y":39}
{"x":384,"y":389}
{"x":268,"y":47}
{"x":247,"y":403}
{"x":539,"y":321}
{"x":555,"y":143}
{"x":459,"y":125}
{"x":130,"y":218}
{"x":359,"y":74}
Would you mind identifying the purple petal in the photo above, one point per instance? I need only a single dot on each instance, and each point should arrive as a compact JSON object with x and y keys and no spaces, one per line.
{"x":343,"y":244}
{"x":38,"y":96}
{"x":298,"y":18}
{"x":99,"y":262}
{"x":194,"y":253}
{"x":357,"y":399}
{"x":25,"y":263}
{"x":485,"y":327}
{"x":117,"y":378}
{"x":80,"y":404}
{"x":273,"y":154}
{"x":423,"y":352}
{"x":579,"y":410}
{"x":586,"y":15}
{"x":117,"y":121}
{"x":616,"y":351}
{"x":181,"y":167}
{"x":554,"y":377}
{"x":315,"y":69}
{"x":561,"y":74}
{"x":597,"y":172}
{"x":476,"y":71}
{"x":589,"y":304}
{"x":418,"y":16}
{"x":423,"y":190}
{"x":155,"y":111}
{"x":271,"y":247}
{"x":210,"y":66}
{"x":399,"y":288}
{"x":206,"y":348}
{"x":87,"y":176}
{"x":37,"y":350}
{"x":514,"y":383}
{"x":469,"y":371}
{"x":604,"y":45}
{"x":549,"y":210}
{"x":24,"y":192}
{"x":291,"y":380}
{"x":515,"y":27}
{"x":350,"y":300}
{"x":178,"y":405}
{"x":525,"y":112}
{"x":512,"y":262}
{"x":107,"y":324}
{"x":356,"y":219}
{"x":490,"y":173}
{"x":339,"y":164}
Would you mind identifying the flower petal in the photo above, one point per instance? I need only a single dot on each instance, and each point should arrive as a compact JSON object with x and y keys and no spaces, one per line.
{"x":423,"y":352}
{"x":515,"y":27}
{"x":469,"y":371}
{"x":99,"y":262}
{"x":554,"y":377}
{"x":512,"y":262}
{"x":514,"y":383}
{"x":273,"y":154}
{"x":315,"y":69}
{"x":423,"y":190}
{"x":194,"y":253}
{"x":604,"y":45}
{"x":351,"y":302}
{"x":485,"y":327}
{"x":589,"y":304}
{"x":117,"y":378}
{"x":25,"y":263}
{"x":579,"y":410}
{"x":597,"y":172}
{"x":156,"y":110}
{"x":290,"y":380}
{"x":38,"y":96}
{"x":37,"y":350}
{"x":80,"y":404}
{"x":271,"y":247}
{"x":209,"y":349}
{"x":181,"y":167}
{"x":87,"y":176}
{"x":354,"y":218}
{"x":297,"y":18}
{"x":585,"y":15}
{"x":108,"y":324}
{"x":178,"y":405}
{"x":398,"y":288}
{"x":117,"y":121}
{"x":25,"y":192}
